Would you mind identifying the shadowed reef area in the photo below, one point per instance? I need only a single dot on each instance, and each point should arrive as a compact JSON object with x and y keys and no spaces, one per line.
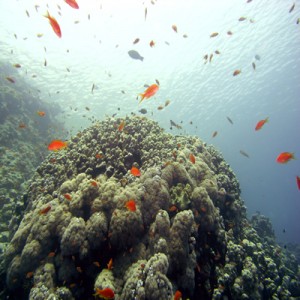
{"x":189,"y":231}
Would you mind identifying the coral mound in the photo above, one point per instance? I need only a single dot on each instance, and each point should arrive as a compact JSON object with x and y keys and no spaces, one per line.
{"x":188,"y":230}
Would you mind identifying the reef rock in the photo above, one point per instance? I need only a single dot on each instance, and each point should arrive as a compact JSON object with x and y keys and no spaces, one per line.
{"x":187,"y":232}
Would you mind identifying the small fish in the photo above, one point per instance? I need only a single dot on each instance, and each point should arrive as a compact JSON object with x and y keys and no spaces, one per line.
{"x":27,"y":13}
{"x":51,"y":254}
{"x":236,"y":72}
{"x":261,"y":123}
{"x":45,"y":63}
{"x":143,"y":111}
{"x":110,"y":264}
{"x":174,"y":27}
{"x":156,"y":80}
{"x":254,"y":66}
{"x":68,"y":196}
{"x":41,"y":113}
{"x":167,"y":103}
{"x":145,"y":13}
{"x":217,"y":52}
{"x":79,"y":270}
{"x":136,"y":41}
{"x":45,"y":210}
{"x":205,"y":56}
{"x":292,"y":8}
{"x":257,"y":57}
{"x":160,"y":107}
{"x":210,"y":57}
{"x":173,"y":208}
{"x":121,"y":126}
{"x":185,"y":36}
{"x":135,"y":172}
{"x":106,"y":293}
{"x":54,"y":24}
{"x":72,"y":3}
{"x":229,"y":120}
{"x":298,"y":21}
{"x":214,"y":34}
{"x":192,"y":158}
{"x":39,"y":35}
{"x":214,"y":134}
{"x":149,"y":92}
{"x":284,"y":157}
{"x":98,"y":155}
{"x":10,"y":79}
{"x":93,"y":87}
{"x":298,"y":182}
{"x":22,"y":125}
{"x":57,"y":145}
{"x":96,"y":263}
{"x":17,"y":65}
{"x":130,"y":205}
{"x":29,"y":275}
{"x":242,"y":19}
{"x":244,"y":153}
{"x":94,"y":183}
{"x":87,"y":108}
{"x":135,"y":55}
{"x":177,"y":295}
{"x":229,"y":32}
{"x":152,"y":43}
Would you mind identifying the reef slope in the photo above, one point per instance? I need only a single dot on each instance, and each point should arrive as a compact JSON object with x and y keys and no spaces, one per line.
{"x":189,"y":231}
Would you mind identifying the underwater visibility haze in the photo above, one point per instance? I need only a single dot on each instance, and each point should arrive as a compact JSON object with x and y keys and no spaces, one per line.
{"x":176,"y":148}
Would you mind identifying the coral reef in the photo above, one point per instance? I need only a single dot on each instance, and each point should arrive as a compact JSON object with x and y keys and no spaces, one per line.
{"x":188,"y":230}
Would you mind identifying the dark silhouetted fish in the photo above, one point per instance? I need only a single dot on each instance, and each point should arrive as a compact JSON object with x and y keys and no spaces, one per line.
{"x":135,"y":55}
{"x":257,"y":57}
{"x":229,"y":120}
{"x":244,"y":153}
{"x":143,"y":111}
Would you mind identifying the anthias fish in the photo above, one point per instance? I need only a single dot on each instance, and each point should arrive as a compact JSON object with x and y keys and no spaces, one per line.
{"x":298,"y":182}
{"x":149,"y":92}
{"x":72,"y":3}
{"x":284,"y":157}
{"x":261,"y":123}
{"x":135,"y":172}
{"x":106,"y":293}
{"x":54,"y":24}
{"x":130,"y":205}
{"x":57,"y":145}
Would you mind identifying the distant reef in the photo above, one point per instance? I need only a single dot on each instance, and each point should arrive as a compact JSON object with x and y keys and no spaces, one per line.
{"x":187,"y":230}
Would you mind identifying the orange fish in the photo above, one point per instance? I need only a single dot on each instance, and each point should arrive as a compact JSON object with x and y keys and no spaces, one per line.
{"x":98,"y":155}
{"x":135,"y":172}
{"x":68,"y":196}
{"x":298,"y":182}
{"x":174,"y":27}
{"x":10,"y":79}
{"x":177,"y":295}
{"x":130,"y":204}
{"x":149,"y":92}
{"x":214,"y":34}
{"x":110,"y":264}
{"x":106,"y":293}
{"x":192,"y":158}
{"x":173,"y":208}
{"x":242,"y":19}
{"x":17,"y":65}
{"x":22,"y":125}
{"x":152,"y":44}
{"x":94,"y":183}
{"x":54,"y":24}
{"x":72,"y":3}
{"x":57,"y":145}
{"x":121,"y":126}
{"x":236,"y":72}
{"x":97,"y":264}
{"x":29,"y":275}
{"x":41,"y":113}
{"x":45,"y":210}
{"x":261,"y":123}
{"x":284,"y":157}
{"x":51,"y":254}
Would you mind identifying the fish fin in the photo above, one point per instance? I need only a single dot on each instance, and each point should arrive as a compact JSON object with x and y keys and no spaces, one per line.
{"x":142,"y":97}
{"x":47,"y":15}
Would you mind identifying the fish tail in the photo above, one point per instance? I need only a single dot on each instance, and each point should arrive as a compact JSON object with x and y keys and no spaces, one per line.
{"x":142,"y":97}
{"x":47,"y":15}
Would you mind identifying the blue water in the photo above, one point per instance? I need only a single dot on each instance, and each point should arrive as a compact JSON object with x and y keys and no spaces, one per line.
{"x":95,"y":51}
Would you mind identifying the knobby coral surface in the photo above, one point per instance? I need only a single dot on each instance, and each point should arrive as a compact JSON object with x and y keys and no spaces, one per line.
{"x":189,"y":230}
